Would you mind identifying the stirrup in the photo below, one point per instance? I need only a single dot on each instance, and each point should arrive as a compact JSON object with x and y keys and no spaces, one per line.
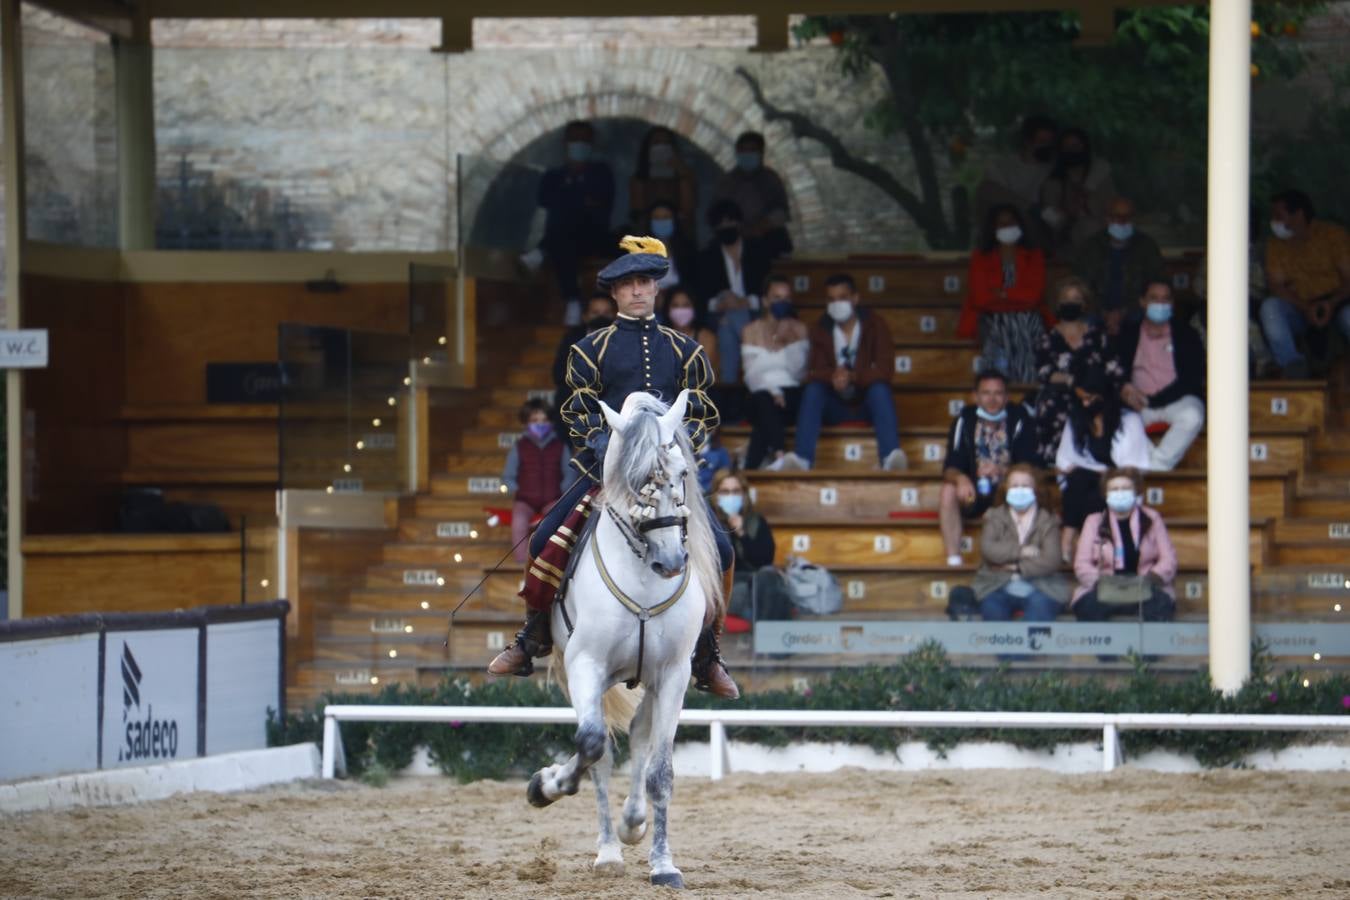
{"x":534,"y":639}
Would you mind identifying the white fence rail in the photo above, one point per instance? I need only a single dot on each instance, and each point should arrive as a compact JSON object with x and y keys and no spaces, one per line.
{"x":1111,"y":724}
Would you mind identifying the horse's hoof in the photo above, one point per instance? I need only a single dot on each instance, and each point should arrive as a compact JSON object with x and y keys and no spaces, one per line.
{"x":670,"y":880}
{"x":632,"y":835}
{"x":535,"y":792}
{"x":610,"y":868}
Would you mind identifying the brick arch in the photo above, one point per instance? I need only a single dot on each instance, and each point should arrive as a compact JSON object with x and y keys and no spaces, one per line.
{"x":705,"y":103}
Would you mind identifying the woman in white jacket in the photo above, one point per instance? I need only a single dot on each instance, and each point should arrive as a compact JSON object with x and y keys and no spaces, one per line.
{"x":773,"y":356}
{"x":1099,"y":435}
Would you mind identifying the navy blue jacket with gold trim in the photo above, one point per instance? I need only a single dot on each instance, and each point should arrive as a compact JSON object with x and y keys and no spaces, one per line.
{"x":635,"y":355}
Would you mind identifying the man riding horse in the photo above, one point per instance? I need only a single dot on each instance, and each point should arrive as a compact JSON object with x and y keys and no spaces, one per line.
{"x":633,"y":354}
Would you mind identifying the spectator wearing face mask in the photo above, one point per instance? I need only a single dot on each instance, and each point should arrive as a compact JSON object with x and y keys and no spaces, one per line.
{"x":1005,"y":296}
{"x":662,"y":177}
{"x":1165,"y":361}
{"x":1076,"y":193}
{"x":578,"y":199}
{"x":536,"y":472}
{"x":1127,"y":539}
{"x":758,"y":591}
{"x":759,"y":193}
{"x":663,"y":225}
{"x":774,"y":351}
{"x":1074,"y":343}
{"x":1115,"y":262}
{"x":986,"y":438}
{"x":676,"y":306}
{"x":1308,"y":280}
{"x":848,"y":376}
{"x":1099,"y":435}
{"x":1016,"y":178}
{"x":731,"y":269}
{"x":1020,"y":554}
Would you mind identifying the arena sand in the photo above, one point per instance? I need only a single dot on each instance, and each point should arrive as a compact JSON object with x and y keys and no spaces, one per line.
{"x":847,"y":834}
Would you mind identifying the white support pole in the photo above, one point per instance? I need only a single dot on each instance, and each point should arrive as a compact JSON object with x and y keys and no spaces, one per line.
{"x":717,"y":746}
{"x":1110,"y":747}
{"x":330,"y":739}
{"x":1230,"y":47}
{"x":16,"y":232}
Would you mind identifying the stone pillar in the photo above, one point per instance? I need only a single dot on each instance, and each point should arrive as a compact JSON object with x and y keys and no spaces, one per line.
{"x":134,"y":59}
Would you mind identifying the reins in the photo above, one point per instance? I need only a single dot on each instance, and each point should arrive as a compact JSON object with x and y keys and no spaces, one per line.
{"x":643,"y":613}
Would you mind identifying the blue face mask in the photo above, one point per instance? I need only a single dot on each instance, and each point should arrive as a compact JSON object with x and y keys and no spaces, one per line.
{"x":578,"y":151}
{"x":748,"y":160}
{"x":1159,"y":313}
{"x":1020,"y":498}
{"x":1120,"y":501}
{"x":731,"y":504}
{"x":539,"y":430}
{"x":991,"y":417}
{"x":663,"y":228}
{"x":780,"y":309}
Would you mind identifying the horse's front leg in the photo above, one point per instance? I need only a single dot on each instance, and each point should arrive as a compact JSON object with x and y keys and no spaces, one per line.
{"x":660,"y":780}
{"x":587,"y":688}
{"x":609,"y":859}
{"x":633,"y":822}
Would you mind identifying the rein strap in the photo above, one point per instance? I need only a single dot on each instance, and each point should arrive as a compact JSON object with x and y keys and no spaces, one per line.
{"x":643,"y":613}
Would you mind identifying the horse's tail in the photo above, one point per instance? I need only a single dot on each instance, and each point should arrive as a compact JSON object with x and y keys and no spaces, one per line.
{"x":619,"y":703}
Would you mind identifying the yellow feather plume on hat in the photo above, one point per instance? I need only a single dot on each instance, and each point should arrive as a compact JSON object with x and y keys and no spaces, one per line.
{"x":642,"y":245}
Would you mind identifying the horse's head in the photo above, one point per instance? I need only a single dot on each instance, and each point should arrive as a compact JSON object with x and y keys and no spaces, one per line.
{"x":649,"y":472}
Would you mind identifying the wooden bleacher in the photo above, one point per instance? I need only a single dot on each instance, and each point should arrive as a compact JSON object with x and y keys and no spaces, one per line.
{"x":879,"y":533}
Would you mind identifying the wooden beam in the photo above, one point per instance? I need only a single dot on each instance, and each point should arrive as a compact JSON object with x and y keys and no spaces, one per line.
{"x":456,"y":35}
{"x":772,"y":29}
{"x":109,"y":16}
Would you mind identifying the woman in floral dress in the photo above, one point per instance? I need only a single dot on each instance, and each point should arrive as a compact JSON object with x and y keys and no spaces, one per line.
{"x":1072,"y":342}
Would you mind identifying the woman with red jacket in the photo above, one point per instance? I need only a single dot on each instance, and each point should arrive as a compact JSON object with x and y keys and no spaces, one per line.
{"x":1005,"y":296}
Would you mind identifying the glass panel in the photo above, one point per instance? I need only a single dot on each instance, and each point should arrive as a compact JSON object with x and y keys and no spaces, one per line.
{"x":432,"y":320}
{"x":70,"y":131}
{"x":493,"y":197}
{"x":343,"y":417}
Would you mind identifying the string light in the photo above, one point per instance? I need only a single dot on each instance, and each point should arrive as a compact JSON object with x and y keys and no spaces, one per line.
{"x":1337,"y":607}
{"x":264,"y":583}
{"x":374,"y":679}
{"x":426,"y":360}
{"x":360,"y":445}
{"x":441,"y":340}
{"x":459,"y":557}
{"x":426,"y":605}
{"x":1306,"y":683}
{"x":393,"y":654}
{"x":393,"y":401}
{"x":407,"y":629}
{"x":473,"y":534}
{"x":330,"y":489}
{"x":1317,"y":657}
{"x":407,"y":380}
{"x":346,"y":467}
{"x":440,"y":582}
{"x":375,"y":423}
{"x":502,"y":488}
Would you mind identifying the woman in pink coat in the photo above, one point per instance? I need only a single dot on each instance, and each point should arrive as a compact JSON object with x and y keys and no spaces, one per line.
{"x":1127,"y":539}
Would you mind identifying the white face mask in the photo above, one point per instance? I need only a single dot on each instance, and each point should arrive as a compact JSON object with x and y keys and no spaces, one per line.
{"x":1281,"y":230}
{"x":1021,"y":497}
{"x":1009,"y":234}
{"x":840,"y":310}
{"x":1120,"y":501}
{"x":1121,"y":231}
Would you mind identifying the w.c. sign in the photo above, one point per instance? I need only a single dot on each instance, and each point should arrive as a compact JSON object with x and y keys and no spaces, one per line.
{"x":26,"y":349}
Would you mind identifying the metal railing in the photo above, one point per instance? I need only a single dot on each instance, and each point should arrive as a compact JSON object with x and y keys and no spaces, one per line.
{"x":717,"y":720}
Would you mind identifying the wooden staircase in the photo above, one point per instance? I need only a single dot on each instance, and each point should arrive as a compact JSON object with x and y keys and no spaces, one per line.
{"x":876,"y":530}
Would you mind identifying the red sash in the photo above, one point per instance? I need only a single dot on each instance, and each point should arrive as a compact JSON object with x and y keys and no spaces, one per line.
{"x":545,"y":572}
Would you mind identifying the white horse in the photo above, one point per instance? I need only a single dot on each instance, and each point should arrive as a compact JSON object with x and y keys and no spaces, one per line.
{"x":642,"y":588}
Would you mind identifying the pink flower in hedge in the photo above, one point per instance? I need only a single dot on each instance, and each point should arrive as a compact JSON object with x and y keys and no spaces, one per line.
{"x":456,"y":724}
{"x":1345,"y":702}
{"x":1273,"y":697}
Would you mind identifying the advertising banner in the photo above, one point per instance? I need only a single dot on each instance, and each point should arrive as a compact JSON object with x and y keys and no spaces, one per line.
{"x":243,"y":680}
{"x":150,"y":696}
{"x":48,"y":705}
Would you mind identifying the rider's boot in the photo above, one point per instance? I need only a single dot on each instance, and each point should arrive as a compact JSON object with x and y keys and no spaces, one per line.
{"x":710,"y":673}
{"x":535,"y":639}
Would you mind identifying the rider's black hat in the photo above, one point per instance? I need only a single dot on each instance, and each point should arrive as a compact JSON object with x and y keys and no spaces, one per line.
{"x":645,"y":256}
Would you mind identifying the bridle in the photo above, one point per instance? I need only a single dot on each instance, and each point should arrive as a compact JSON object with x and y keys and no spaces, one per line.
{"x":643,"y":513}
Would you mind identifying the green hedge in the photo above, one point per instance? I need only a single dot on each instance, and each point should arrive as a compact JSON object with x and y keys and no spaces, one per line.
{"x":923,"y":680}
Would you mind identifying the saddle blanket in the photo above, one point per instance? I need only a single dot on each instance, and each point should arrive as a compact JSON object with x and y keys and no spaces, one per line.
{"x":544,"y":574}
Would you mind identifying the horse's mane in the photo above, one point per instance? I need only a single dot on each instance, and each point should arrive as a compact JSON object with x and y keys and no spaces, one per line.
{"x":640,"y":446}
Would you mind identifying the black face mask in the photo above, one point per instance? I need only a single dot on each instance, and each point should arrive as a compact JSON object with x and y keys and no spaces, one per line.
{"x":1095,"y":408}
{"x":1073,"y":158}
{"x":728,"y":235}
{"x":598,"y":322}
{"x":1071,"y":312}
{"x":1043,"y":154}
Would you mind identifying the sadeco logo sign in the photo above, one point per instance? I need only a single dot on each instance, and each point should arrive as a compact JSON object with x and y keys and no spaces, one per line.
{"x":148,"y":737}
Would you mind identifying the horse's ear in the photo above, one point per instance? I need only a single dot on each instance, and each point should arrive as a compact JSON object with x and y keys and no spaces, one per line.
{"x":616,"y":420}
{"x":674,"y":416}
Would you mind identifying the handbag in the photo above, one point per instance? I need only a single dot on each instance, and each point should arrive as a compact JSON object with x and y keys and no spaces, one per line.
{"x":1124,"y":590}
{"x":812,"y":588}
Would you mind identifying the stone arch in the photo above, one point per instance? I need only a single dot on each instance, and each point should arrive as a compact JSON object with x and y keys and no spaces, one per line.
{"x":522,"y":96}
